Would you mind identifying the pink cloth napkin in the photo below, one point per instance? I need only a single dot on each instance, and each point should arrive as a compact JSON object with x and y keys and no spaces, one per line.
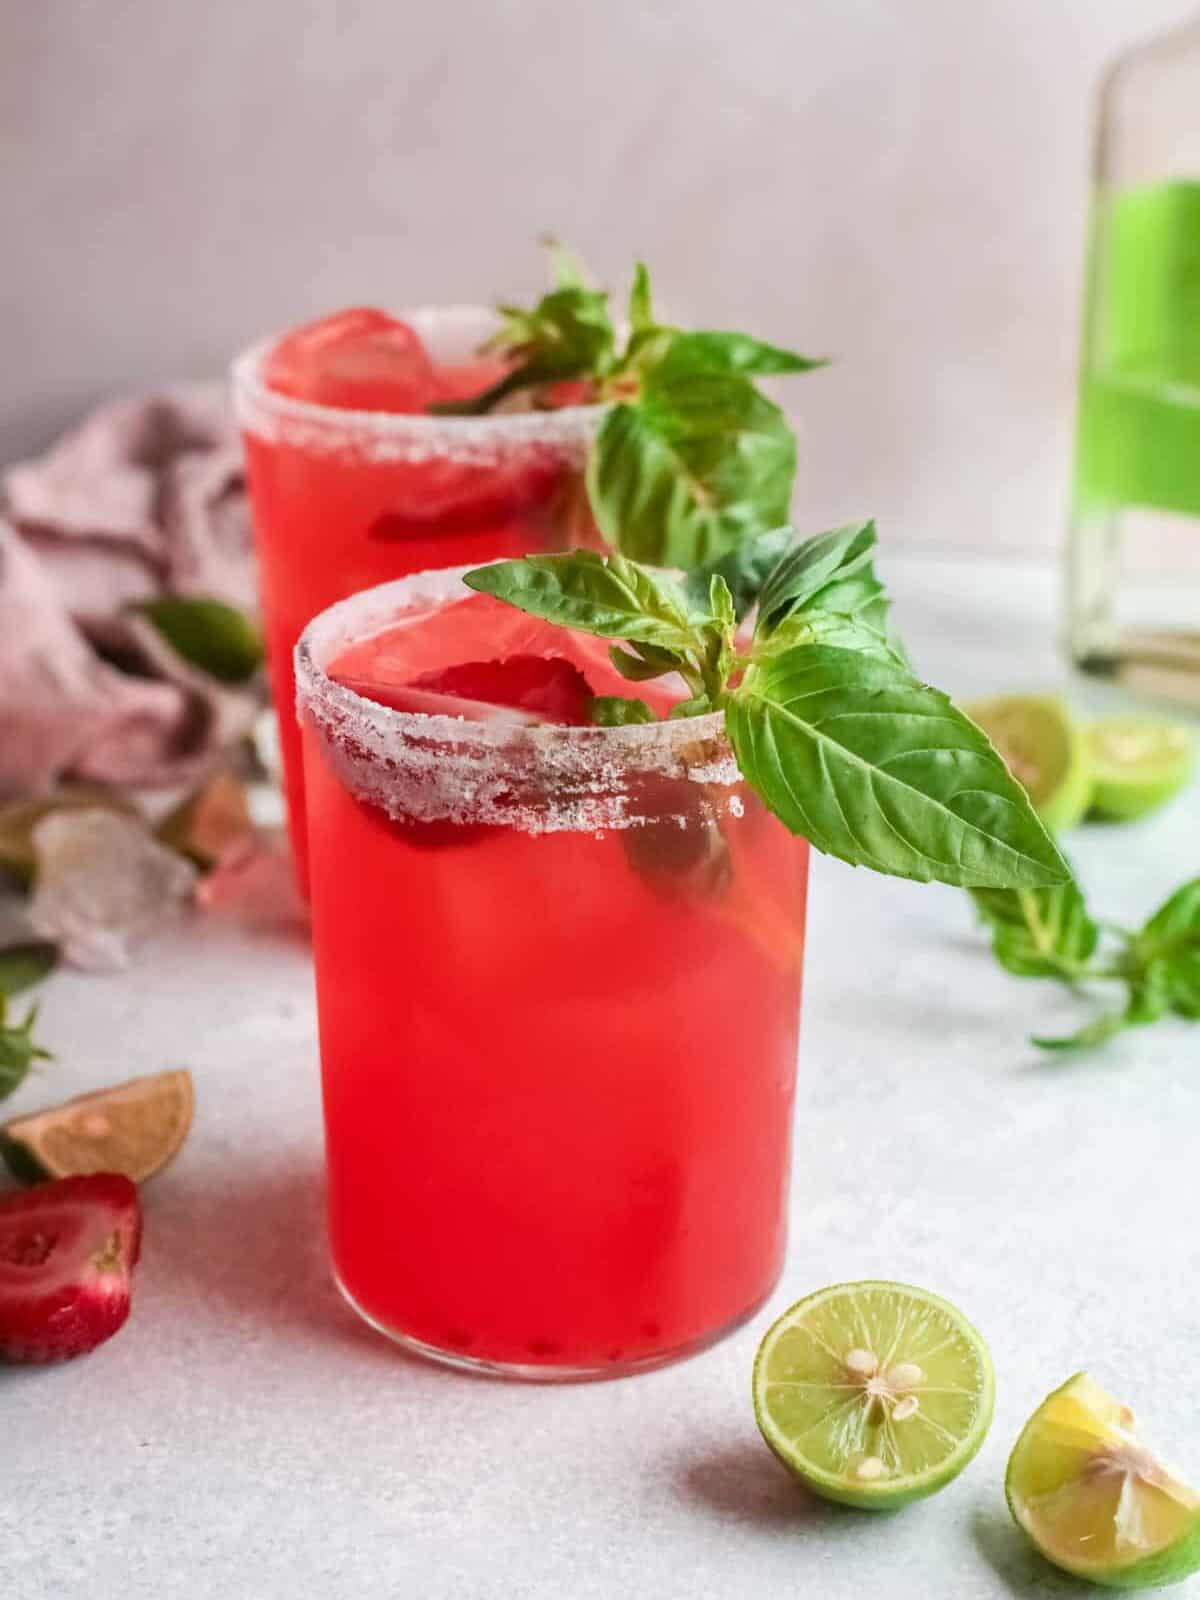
{"x":145,"y":497}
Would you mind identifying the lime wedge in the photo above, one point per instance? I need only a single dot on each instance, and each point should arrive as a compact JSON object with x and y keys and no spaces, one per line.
{"x":873,"y":1394}
{"x":1138,"y":763}
{"x":1044,"y":751}
{"x":135,"y":1129}
{"x":1093,"y":1498}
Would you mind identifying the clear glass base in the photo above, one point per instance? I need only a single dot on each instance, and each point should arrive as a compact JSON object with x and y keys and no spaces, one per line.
{"x":528,"y":1372}
{"x":1133,"y":601}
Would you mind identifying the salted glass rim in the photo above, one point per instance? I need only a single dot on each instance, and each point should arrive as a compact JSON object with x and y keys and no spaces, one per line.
{"x":258,"y":406}
{"x":371,"y":611}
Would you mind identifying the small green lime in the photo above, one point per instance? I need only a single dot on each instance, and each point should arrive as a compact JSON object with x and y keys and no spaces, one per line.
{"x":1094,"y":1500}
{"x":873,"y":1394}
{"x":1138,"y":763}
{"x":1043,"y":749}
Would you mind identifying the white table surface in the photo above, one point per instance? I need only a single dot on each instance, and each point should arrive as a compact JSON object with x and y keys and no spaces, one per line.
{"x":245,"y":1437}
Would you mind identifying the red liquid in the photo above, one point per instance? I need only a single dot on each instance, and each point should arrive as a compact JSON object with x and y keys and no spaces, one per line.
{"x":329,"y":521}
{"x":558,"y":1068}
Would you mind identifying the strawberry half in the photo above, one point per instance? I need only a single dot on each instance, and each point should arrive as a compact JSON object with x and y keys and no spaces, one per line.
{"x":66,"y":1253}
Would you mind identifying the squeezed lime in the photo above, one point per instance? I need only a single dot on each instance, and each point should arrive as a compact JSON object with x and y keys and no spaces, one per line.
{"x":1094,"y":1499}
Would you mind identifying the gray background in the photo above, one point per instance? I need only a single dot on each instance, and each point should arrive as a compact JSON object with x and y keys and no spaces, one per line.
{"x":900,"y":183}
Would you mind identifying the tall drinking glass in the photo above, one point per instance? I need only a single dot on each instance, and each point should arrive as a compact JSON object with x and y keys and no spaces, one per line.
{"x":345,"y":499}
{"x":558,"y":975}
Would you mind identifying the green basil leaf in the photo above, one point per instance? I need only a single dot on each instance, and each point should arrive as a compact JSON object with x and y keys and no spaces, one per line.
{"x":695,"y":467}
{"x":1169,"y":945}
{"x":614,"y":711}
{"x":644,"y":661}
{"x":565,"y":267}
{"x":18,"y":1051}
{"x":882,"y":771}
{"x":606,"y":596}
{"x":1039,"y":933}
{"x":568,"y":334}
{"x":720,"y":603}
{"x":698,"y":706}
{"x":1093,"y":1034}
{"x":745,"y":568}
{"x":837,"y":564}
{"x":24,"y":965}
{"x":641,"y":308}
{"x":689,"y":355}
{"x":208,"y":634}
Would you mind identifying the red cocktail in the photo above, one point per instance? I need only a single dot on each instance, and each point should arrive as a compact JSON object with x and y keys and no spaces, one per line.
{"x":558,"y":973}
{"x":352,"y":481}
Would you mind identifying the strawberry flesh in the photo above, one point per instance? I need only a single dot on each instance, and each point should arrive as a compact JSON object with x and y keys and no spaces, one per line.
{"x":550,"y":687}
{"x":67,"y":1251}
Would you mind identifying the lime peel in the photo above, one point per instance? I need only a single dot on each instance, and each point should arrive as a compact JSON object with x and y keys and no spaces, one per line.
{"x":873,"y":1394}
{"x":1138,"y":764}
{"x":1094,"y":1500}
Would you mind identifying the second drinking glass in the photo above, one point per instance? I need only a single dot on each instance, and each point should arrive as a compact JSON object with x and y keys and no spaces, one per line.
{"x":365,"y":484}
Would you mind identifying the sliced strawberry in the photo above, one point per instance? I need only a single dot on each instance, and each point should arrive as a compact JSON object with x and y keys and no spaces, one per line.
{"x":67,"y":1250}
{"x":551,"y":687}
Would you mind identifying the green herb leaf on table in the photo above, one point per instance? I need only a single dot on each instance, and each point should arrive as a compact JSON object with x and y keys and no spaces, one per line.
{"x":208,"y":634}
{"x":1051,"y":934}
{"x":1166,"y":953}
{"x":1040,"y":933}
{"x":18,"y":1051}
{"x":22,"y":966}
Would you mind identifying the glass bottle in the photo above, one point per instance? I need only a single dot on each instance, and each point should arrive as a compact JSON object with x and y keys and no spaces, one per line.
{"x":1133,"y":571}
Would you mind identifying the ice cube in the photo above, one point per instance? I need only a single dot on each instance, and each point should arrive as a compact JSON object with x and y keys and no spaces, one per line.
{"x":357,"y":360}
{"x":103,"y":883}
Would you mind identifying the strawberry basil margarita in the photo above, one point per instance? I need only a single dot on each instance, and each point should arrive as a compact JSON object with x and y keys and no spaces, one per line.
{"x":353,"y":480}
{"x":558,"y":971}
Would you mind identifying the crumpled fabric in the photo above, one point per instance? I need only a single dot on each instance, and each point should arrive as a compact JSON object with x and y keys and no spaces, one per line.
{"x":145,"y":497}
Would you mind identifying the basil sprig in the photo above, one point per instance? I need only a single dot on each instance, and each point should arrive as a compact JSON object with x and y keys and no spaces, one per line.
{"x":690,"y":458}
{"x":1050,"y":933}
{"x":827,"y":721}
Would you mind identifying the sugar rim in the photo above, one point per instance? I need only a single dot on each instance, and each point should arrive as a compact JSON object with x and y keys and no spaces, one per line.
{"x":404,"y":435}
{"x":434,"y":767}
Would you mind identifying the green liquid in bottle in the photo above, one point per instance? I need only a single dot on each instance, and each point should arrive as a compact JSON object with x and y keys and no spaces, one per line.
{"x":1138,"y":440}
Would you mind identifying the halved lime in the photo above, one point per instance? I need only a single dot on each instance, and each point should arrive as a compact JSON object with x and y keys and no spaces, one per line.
{"x":1043,"y":749}
{"x":1094,"y":1500}
{"x":873,"y":1394}
{"x":1138,"y":763}
{"x":136,"y":1129}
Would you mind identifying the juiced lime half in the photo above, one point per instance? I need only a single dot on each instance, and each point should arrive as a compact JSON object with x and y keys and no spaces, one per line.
{"x":135,"y":1129}
{"x":1043,"y":749}
{"x":1137,"y":763}
{"x":1094,"y":1500}
{"x":873,"y":1394}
